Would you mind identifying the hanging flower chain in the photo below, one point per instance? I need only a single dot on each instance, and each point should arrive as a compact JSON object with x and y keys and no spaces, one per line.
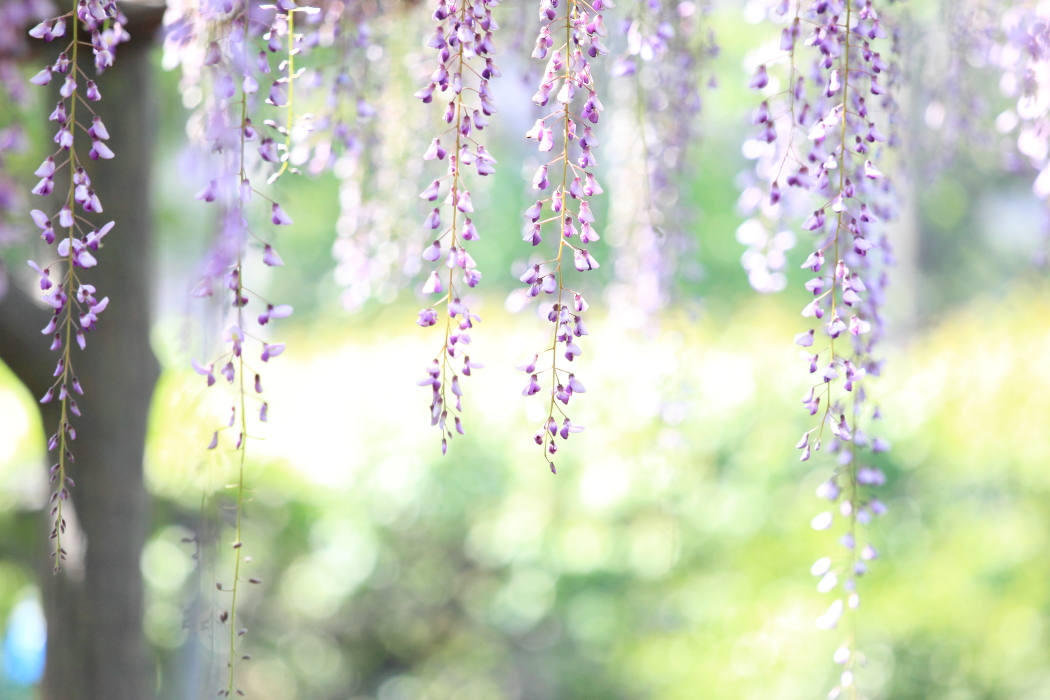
{"x":569,"y":66}
{"x":75,"y":305}
{"x":230,"y":129}
{"x":467,"y":37}
{"x":840,"y":171}
{"x":667,"y":49}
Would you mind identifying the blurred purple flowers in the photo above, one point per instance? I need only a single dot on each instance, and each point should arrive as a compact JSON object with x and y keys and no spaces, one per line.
{"x":568,"y":77}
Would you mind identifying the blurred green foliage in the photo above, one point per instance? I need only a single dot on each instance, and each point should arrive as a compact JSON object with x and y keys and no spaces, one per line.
{"x":667,"y":559}
{"x":669,"y":556}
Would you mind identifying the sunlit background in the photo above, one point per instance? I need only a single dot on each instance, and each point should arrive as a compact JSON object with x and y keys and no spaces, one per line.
{"x":669,"y":558}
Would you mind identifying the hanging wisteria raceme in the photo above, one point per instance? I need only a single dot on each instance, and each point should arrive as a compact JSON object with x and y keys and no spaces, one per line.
{"x":655,"y":123}
{"x":567,"y":77}
{"x":75,"y":304}
{"x":345,"y":131}
{"x":238,"y":74}
{"x":835,"y":69}
{"x":376,"y":254}
{"x":463,"y":39}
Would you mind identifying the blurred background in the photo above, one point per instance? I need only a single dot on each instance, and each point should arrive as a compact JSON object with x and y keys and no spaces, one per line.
{"x":669,"y":558}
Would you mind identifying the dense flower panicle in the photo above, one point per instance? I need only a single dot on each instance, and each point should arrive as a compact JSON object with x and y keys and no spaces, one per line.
{"x":667,"y":49}
{"x":463,"y":39}
{"x":569,"y":38}
{"x":224,"y":46}
{"x":76,"y":306}
{"x":820,"y":135}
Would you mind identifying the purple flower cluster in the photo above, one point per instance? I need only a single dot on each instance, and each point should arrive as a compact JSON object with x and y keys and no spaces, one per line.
{"x":223,"y":45}
{"x":235,"y":78}
{"x":818,"y":140}
{"x":463,"y":40}
{"x":567,"y":77}
{"x":76,"y":306}
{"x":648,"y":31}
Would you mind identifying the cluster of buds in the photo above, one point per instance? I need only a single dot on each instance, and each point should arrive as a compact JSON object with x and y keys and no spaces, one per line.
{"x":825,"y":149}
{"x":75,"y":304}
{"x":568,"y":78}
{"x":462,"y":37}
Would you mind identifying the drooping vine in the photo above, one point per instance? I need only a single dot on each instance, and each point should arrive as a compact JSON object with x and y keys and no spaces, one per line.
{"x":462,"y":45}
{"x":837,"y":170}
{"x":75,"y":304}
{"x":367,"y":250}
{"x":232,"y":46}
{"x":568,"y":77}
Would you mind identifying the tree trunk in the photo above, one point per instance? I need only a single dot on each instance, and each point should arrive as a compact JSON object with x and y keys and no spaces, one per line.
{"x":95,"y":647}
